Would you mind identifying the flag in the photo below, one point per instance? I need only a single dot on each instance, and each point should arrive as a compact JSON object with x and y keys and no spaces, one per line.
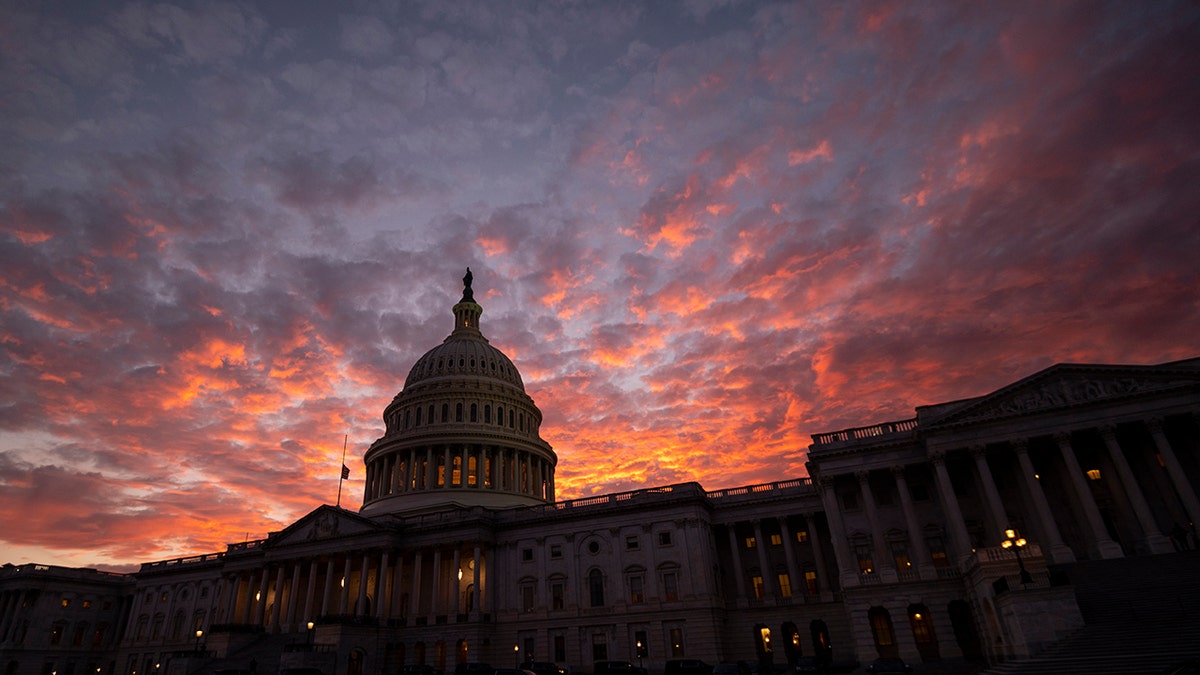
{"x":345,"y":472}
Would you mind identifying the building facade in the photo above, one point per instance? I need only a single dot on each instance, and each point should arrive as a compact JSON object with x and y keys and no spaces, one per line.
{"x":947,"y":538}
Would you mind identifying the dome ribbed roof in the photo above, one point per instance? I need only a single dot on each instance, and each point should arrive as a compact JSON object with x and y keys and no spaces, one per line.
{"x":461,"y":355}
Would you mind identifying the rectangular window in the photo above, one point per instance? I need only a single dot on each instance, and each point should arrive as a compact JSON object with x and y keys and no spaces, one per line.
{"x":802,"y":536}
{"x":599,"y":647}
{"x":87,"y":604}
{"x":776,"y":540}
{"x":560,"y":648}
{"x":66,"y":602}
{"x":850,"y":501}
{"x":555,"y":551}
{"x":556,"y":595}
{"x":670,"y":586}
{"x":759,"y":591}
{"x":751,"y":542}
{"x":900,"y":556}
{"x":664,"y":538}
{"x":631,"y":543}
{"x":810,"y":582}
{"x":785,"y":585}
{"x":676,"y":642}
{"x":635,"y":590}
{"x":56,"y":635}
{"x":527,"y":598}
{"x":526,"y":554}
{"x":937,"y":551}
{"x":865,"y":564}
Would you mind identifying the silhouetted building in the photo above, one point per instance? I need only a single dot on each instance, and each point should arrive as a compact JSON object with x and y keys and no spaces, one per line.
{"x":954,"y":536}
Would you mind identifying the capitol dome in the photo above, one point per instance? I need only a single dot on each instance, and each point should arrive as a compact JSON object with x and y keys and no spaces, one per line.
{"x":462,"y":432}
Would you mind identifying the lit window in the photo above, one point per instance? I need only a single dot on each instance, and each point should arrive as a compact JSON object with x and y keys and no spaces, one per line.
{"x":760,"y":590}
{"x":785,"y":585}
{"x":1093,"y":474}
{"x":776,"y":540}
{"x":750,"y":542}
{"x":670,"y":586}
{"x":802,"y":536}
{"x":636,"y":595}
{"x":810,"y":582}
{"x":66,"y":602}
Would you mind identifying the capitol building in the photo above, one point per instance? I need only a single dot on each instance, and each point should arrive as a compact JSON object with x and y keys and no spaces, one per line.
{"x":988,"y":532}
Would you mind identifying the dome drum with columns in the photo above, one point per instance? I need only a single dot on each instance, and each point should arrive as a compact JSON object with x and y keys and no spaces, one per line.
{"x":462,"y":432}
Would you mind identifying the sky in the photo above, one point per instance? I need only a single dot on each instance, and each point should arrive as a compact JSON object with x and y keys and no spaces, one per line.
{"x":703,"y":230}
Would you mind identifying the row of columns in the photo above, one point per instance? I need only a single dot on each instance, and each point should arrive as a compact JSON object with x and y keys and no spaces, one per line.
{"x":297,"y":594}
{"x":795,"y":576}
{"x":1100,"y":543}
{"x":495,"y":467}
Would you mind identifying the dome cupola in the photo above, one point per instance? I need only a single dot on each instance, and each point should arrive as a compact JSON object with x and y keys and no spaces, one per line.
{"x":462,"y":431}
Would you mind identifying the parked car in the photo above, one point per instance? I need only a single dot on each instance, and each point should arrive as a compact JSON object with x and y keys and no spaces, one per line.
{"x":473,"y":669}
{"x":617,"y":668}
{"x":726,"y":669}
{"x":687,"y":667}
{"x":543,"y":668}
{"x":889,"y":666}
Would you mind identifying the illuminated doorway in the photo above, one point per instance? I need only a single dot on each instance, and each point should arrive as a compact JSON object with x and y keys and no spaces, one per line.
{"x":883,"y":632}
{"x":922,"y":628}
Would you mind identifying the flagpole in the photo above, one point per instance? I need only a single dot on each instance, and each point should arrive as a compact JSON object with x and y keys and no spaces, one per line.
{"x":342,"y":470}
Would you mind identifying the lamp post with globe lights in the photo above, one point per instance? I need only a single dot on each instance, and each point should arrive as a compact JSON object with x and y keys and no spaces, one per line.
{"x":1015,"y":542}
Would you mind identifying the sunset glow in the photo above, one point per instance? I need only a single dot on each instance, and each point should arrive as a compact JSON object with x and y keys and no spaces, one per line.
{"x":703,"y":231}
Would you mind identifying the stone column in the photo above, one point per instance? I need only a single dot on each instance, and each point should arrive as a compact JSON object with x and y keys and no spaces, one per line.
{"x":430,"y":469}
{"x":456,"y":581}
{"x":847,"y":574}
{"x":760,"y":544}
{"x":292,"y":598}
{"x":327,"y":597}
{"x":793,"y":572}
{"x":364,"y":574}
{"x":230,"y":609}
{"x":416,"y":585}
{"x":995,"y":506}
{"x":1154,"y":539}
{"x":381,"y":585}
{"x":1187,"y":495}
{"x":260,"y":600}
{"x":310,"y":593}
{"x":954,"y":517}
{"x":465,"y":472}
{"x":276,"y":604}
{"x":885,"y":564}
{"x":448,"y":470}
{"x":435,"y":582}
{"x":1059,"y":552}
{"x":735,"y":555}
{"x":396,"y":606}
{"x":477,"y":596}
{"x":919,"y":554}
{"x":1104,"y":545}
{"x":344,"y":604}
{"x":814,"y":538}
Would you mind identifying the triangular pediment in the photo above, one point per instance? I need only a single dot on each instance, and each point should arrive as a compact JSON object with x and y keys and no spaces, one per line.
{"x":324,"y":522}
{"x":1065,"y":386}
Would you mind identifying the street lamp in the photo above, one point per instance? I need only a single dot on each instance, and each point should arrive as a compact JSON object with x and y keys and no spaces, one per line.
{"x":640,"y":653}
{"x":1011,"y":540}
{"x":199,"y":634}
{"x":310,"y":633}
{"x":516,"y":656}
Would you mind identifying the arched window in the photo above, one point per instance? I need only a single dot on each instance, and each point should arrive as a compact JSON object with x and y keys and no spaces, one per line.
{"x":500,"y":415}
{"x":511,"y":419}
{"x":407,"y":418}
{"x":884,"y":634}
{"x":762,"y":642}
{"x":922,"y":628}
{"x":474,"y":412}
{"x":431,"y":418}
{"x":418,"y":415}
{"x":596,"y":588}
{"x":445,"y":412}
{"x":792,"y":646}
{"x":458,"y":412}
{"x":487,"y":414}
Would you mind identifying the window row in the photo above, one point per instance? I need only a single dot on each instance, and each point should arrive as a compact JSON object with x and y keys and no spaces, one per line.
{"x":597,"y":591}
{"x":417,"y":416}
{"x":632,"y":543}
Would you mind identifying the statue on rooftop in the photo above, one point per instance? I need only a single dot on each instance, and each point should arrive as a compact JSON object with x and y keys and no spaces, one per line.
{"x":468,"y":294}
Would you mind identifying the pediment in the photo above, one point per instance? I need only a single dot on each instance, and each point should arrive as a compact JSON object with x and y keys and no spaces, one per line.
{"x":1067,"y":386}
{"x":325,"y":522}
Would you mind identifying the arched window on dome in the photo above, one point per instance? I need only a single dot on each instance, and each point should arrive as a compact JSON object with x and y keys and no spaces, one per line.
{"x":407,"y":418}
{"x":474,"y":412}
{"x":431,"y":417}
{"x":418,"y":416}
{"x":458,"y":412}
{"x":487,"y":414}
{"x":512,"y":419}
{"x":521,"y":422}
{"x":445,"y":412}
{"x":500,"y":415}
